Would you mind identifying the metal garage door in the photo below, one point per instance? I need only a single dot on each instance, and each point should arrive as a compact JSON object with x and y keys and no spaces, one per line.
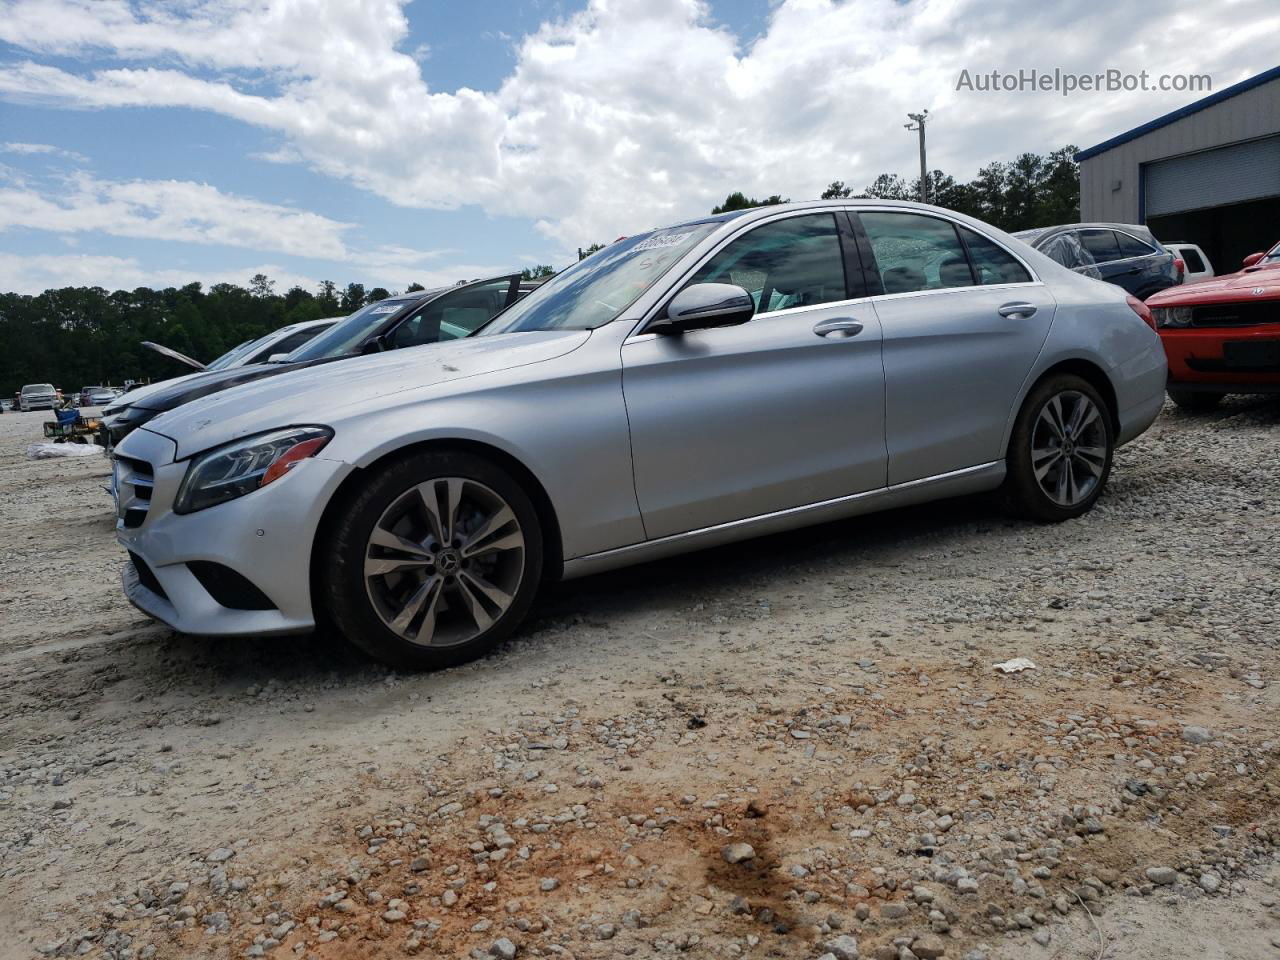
{"x":1214,"y":178}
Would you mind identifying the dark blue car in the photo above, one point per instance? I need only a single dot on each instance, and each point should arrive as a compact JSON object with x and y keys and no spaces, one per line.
{"x":1125,"y":254}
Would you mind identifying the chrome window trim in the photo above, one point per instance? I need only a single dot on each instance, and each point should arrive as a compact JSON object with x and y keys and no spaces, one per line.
{"x":932,"y":292}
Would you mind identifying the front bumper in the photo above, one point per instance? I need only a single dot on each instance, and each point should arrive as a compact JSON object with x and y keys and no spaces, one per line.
{"x":1200,"y":358}
{"x":264,"y":537}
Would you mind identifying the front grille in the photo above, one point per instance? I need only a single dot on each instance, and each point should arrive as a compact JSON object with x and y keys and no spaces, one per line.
{"x":1236,"y":314}
{"x":134,"y":484}
{"x":146,"y":576}
{"x":228,"y":587}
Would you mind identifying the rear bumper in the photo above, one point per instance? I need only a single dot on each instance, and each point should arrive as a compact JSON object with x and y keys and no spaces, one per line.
{"x":1198,"y":361}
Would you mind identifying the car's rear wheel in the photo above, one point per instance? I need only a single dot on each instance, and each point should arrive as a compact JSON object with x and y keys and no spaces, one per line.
{"x":1193,"y":401}
{"x":1060,"y":452}
{"x":433,"y":561}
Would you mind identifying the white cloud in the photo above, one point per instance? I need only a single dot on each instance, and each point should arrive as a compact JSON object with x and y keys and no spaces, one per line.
{"x":631,"y":112}
{"x":41,"y":149}
{"x":170,"y":210}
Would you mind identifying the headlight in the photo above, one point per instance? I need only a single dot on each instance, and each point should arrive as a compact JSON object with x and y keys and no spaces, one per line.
{"x":227,"y":472}
{"x":1172,"y":316}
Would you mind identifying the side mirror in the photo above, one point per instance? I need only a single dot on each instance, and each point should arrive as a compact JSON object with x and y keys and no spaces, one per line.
{"x":1253,"y":258}
{"x":705,"y":305}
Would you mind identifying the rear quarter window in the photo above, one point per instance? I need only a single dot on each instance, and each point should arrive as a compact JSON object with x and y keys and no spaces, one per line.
{"x":1133,"y":247}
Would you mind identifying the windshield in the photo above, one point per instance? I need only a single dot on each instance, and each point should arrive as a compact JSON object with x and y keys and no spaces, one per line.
{"x":38,"y":388}
{"x":232,"y":355}
{"x":596,"y":290}
{"x":1273,"y":256}
{"x":347,"y":335}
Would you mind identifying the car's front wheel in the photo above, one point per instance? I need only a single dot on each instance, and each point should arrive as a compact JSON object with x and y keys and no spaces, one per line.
{"x":1060,"y":451}
{"x":1194,"y":401}
{"x":433,"y":561}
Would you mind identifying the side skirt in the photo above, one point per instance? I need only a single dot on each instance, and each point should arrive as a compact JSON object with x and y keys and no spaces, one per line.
{"x":984,"y":476}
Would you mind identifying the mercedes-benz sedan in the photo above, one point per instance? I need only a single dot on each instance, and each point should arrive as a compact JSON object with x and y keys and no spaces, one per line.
{"x":684,"y":387}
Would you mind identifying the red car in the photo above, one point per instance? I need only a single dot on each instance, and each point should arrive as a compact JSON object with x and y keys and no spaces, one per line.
{"x":1222,"y":336}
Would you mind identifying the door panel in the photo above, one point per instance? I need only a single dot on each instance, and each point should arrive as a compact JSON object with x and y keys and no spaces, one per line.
{"x":741,"y":421}
{"x":954,"y":366}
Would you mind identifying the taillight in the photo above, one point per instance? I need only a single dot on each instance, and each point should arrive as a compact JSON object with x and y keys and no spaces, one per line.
{"x":1142,"y":310}
{"x":1179,"y":266}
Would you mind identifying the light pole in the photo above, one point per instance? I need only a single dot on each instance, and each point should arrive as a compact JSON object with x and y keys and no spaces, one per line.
{"x":919,"y":119}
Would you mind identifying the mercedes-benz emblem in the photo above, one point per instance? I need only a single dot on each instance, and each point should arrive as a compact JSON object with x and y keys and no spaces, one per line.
{"x":448,"y":561}
{"x":1259,"y":291}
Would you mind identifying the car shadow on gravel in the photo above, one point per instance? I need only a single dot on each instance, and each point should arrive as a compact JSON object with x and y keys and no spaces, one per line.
{"x":838,"y":546}
{"x":1262,"y":408}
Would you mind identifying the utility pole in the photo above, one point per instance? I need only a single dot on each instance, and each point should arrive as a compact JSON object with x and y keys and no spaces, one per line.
{"x":919,"y":119}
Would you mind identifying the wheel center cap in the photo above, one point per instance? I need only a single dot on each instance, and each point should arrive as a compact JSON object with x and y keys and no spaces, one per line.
{"x":448,"y":561}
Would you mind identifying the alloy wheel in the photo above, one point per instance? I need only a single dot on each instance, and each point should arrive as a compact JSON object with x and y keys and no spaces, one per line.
{"x":1069,"y":448}
{"x":444,"y":562}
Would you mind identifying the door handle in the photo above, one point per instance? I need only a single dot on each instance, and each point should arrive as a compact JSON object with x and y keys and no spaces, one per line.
{"x":843,"y":327}
{"x":1017,"y":311}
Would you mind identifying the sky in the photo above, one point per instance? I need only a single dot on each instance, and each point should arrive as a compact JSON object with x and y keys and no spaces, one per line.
{"x":160,"y":142}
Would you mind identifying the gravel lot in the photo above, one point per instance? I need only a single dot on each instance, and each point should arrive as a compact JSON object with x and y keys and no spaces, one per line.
{"x":819,"y":708}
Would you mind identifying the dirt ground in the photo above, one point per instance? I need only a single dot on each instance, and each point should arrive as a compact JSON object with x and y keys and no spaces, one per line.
{"x":826,"y":698}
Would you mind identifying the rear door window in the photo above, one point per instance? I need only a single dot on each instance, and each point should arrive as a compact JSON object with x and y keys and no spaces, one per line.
{"x":1101,"y":244}
{"x":916,"y":252}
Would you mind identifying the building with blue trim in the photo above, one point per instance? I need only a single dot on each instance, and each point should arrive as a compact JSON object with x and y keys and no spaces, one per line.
{"x":1208,"y":173}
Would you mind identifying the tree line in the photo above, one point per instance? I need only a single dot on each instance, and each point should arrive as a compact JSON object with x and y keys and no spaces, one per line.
{"x":78,"y":336}
{"x":1032,"y":190}
{"x":86,"y":335}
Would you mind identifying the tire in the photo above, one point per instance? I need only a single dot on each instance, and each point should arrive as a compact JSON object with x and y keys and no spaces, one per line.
{"x":1193,"y":401}
{"x":404,"y":591}
{"x":1049,"y":498}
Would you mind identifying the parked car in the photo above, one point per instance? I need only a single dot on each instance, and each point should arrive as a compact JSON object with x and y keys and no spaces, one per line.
{"x":1197,"y":263}
{"x":424,"y":316}
{"x":681,"y":388}
{"x":277,"y":343}
{"x":1120,"y":253}
{"x":1223,"y":336}
{"x":97,"y":396}
{"x":38,"y":396}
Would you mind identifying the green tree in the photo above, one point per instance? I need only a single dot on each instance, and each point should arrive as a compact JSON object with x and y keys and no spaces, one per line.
{"x":352,"y":298}
{"x":260,"y":286}
{"x":887,"y":186}
{"x":328,"y":297}
{"x":376,"y":294}
{"x":836,"y":190}
{"x":537,"y":273}
{"x":740,"y":201}
{"x":414,"y":287}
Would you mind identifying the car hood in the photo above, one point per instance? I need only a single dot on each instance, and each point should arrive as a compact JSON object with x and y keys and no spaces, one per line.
{"x":313,"y":394}
{"x":180,"y":390}
{"x":140,"y":394}
{"x":1225,"y":289}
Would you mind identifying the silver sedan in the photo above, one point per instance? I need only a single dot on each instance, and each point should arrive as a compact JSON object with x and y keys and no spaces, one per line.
{"x":689,"y":386}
